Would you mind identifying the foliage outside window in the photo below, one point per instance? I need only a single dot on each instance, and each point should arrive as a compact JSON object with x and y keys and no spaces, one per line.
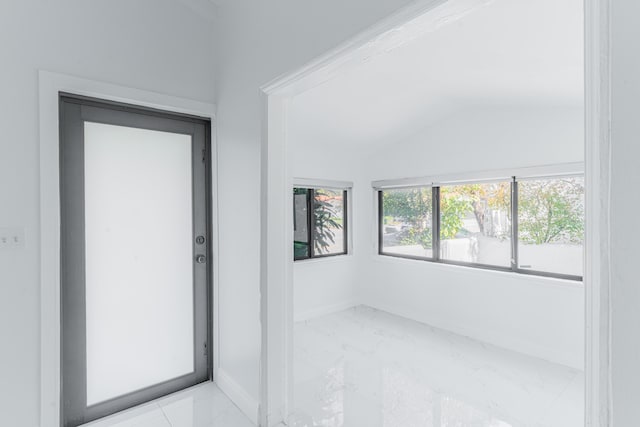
{"x":407,"y":222}
{"x":319,"y":222}
{"x":474,"y":225}
{"x":551,"y":225}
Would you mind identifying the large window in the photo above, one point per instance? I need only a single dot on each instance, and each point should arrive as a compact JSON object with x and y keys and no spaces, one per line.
{"x":530,"y":226}
{"x":319,"y":222}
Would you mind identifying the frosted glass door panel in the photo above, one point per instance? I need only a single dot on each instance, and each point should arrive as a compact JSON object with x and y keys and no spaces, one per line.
{"x":139,"y":259}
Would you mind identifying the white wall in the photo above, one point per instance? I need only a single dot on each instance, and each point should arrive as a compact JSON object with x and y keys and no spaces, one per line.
{"x":323,"y":285}
{"x":157,"y":45}
{"x":259,"y":41}
{"x":625,"y":176}
{"x":534,"y":315}
{"x":486,"y":138}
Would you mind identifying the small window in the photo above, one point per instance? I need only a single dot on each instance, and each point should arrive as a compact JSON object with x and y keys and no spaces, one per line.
{"x":319,"y":222}
{"x":406,"y":226}
{"x":551,"y":225}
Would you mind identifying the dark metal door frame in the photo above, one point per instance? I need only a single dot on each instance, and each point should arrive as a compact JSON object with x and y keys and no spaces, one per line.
{"x":74,"y":111}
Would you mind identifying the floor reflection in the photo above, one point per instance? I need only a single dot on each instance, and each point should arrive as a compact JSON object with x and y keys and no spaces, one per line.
{"x":203,"y":405}
{"x":363,"y":367}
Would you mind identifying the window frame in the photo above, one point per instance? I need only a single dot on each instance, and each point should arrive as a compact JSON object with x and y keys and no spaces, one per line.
{"x":311,"y":189}
{"x":436,"y":220}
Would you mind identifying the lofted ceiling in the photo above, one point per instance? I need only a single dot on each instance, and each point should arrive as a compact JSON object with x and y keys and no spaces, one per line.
{"x":503,"y":53}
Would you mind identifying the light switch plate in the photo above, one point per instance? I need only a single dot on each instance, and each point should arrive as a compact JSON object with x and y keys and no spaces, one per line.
{"x":11,"y":238}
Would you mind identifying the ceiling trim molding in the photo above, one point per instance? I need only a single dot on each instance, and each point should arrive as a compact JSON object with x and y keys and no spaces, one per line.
{"x":404,"y":25}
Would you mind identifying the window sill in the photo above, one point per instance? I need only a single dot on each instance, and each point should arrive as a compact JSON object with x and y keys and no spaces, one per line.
{"x":324,"y":259}
{"x":465,"y":269}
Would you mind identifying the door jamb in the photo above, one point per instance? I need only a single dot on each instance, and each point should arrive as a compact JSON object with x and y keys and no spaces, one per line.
{"x":597,"y":39}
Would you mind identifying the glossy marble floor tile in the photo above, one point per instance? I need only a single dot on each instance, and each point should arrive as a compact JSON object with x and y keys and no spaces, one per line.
{"x":200,"y":406}
{"x":367,"y":368}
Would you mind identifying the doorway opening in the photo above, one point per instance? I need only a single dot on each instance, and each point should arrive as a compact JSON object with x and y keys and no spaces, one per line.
{"x":307,"y":93}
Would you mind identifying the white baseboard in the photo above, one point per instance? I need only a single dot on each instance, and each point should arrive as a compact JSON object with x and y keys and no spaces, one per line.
{"x":238,"y":395}
{"x":508,"y":342}
{"x":323,"y":311}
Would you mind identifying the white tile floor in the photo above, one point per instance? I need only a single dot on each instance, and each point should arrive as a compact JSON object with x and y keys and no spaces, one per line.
{"x":200,"y":406}
{"x":367,"y":368}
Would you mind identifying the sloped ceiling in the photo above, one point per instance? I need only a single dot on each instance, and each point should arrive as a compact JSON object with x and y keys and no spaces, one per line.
{"x":507,"y":52}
